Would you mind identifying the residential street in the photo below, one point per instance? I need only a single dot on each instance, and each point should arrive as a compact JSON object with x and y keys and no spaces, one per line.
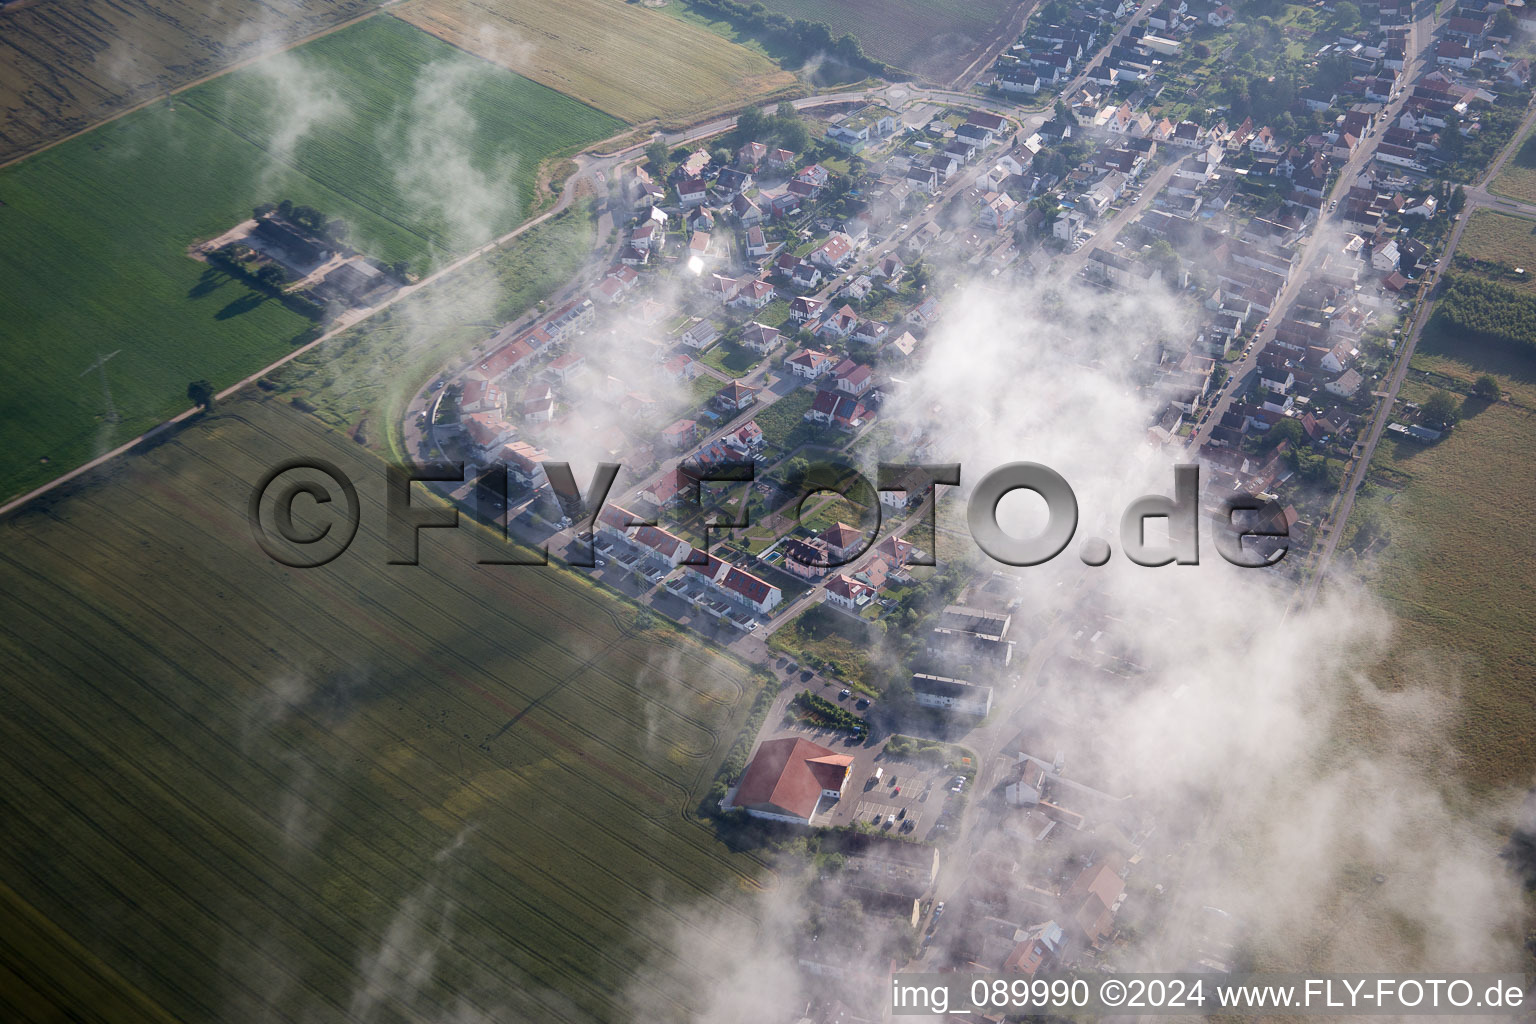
{"x":1421,"y":37}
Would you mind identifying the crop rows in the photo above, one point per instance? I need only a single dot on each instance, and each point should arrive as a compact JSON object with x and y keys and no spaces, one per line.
{"x":237,"y":779}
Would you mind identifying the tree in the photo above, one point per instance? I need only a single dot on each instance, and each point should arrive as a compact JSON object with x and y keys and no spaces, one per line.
{"x":721,"y":156}
{"x":200,"y":394}
{"x":1289,"y":428}
{"x":749,"y":125}
{"x":1442,"y":410}
{"x":1458,"y":199}
{"x":1345,"y":16}
{"x":656,"y":155}
{"x":336,"y":229}
{"x":793,"y":134}
{"x":1486,"y":388}
{"x":1504,"y":24}
{"x":262,"y":209}
{"x":271,"y":276}
{"x":1064,"y":112}
{"x":786,"y":111}
{"x":1162,"y":256}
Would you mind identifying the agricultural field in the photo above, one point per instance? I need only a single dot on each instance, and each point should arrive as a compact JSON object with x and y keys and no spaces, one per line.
{"x":1498,"y":246}
{"x":1428,"y":535}
{"x":440,"y":144}
{"x":99,"y":226}
{"x":623,"y":58}
{"x":64,"y":67}
{"x":1517,"y":179}
{"x":236,"y":791}
{"x":931,"y":38}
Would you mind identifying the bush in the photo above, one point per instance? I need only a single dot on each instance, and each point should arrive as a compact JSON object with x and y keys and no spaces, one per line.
{"x":812,"y":708}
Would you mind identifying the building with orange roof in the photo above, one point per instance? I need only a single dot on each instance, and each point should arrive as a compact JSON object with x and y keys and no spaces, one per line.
{"x":789,"y":779}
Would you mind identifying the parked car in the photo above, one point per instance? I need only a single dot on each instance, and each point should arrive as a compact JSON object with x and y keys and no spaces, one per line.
{"x":844,"y":694}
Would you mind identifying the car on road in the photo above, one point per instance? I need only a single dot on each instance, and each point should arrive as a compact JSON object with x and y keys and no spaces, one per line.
{"x":862,"y":703}
{"x":1264,"y":326}
{"x":844,"y":694}
{"x":938,"y":910}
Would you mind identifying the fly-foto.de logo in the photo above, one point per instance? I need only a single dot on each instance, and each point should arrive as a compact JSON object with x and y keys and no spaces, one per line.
{"x":305,"y":513}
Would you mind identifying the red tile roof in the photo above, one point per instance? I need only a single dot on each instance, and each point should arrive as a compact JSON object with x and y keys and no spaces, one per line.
{"x":788,"y":775}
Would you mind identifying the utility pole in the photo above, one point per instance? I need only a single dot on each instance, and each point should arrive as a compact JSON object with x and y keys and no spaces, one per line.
{"x":106,"y":389}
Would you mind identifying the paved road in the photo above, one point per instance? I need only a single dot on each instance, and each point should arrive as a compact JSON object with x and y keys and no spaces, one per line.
{"x":1478,"y":197}
{"x":1420,"y":39}
{"x":1104,"y":238}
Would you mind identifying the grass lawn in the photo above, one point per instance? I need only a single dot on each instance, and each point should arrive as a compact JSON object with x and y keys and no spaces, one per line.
{"x":1518,"y":178}
{"x":1456,"y":570}
{"x":238,"y":791}
{"x":832,"y":637}
{"x":784,"y":424}
{"x":627,"y":59}
{"x":732,"y":359}
{"x":98,"y":229}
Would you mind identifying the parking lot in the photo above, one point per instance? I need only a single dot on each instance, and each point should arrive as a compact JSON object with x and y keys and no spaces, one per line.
{"x":907,"y":799}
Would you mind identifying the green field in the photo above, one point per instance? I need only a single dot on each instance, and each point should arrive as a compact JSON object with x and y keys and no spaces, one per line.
{"x":933,"y":38}
{"x":1497,"y":245}
{"x":64,"y":67}
{"x":1453,"y":566}
{"x":98,"y":227}
{"x":238,"y":792}
{"x":1518,"y":177}
{"x":439,"y":145}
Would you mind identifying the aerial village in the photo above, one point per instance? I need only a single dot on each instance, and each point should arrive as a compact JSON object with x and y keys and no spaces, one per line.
{"x":761,"y":302}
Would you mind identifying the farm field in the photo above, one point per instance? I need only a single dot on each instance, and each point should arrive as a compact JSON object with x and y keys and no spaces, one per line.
{"x":64,"y":67}
{"x":1496,"y":245}
{"x":931,"y":38}
{"x":235,"y":791}
{"x":99,"y":227}
{"x":1461,"y":594}
{"x":441,"y":145}
{"x":1517,"y":179}
{"x":623,"y":58}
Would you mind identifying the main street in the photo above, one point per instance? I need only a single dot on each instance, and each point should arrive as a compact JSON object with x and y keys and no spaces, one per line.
{"x":1420,"y":38}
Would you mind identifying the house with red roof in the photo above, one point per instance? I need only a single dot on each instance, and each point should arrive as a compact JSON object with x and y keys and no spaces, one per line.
{"x":789,"y":779}
{"x":487,"y":431}
{"x":852,"y":378}
{"x":681,"y":434}
{"x":847,"y":592}
{"x":670,"y":486}
{"x":810,"y":363}
{"x":839,"y":324}
{"x":843,"y":541}
{"x":692,"y":192}
{"x":525,"y":463}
